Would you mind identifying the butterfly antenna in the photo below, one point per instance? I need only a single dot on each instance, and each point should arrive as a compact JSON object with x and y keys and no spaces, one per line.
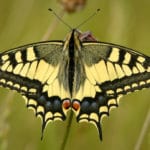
{"x":86,"y":20}
{"x":59,"y":18}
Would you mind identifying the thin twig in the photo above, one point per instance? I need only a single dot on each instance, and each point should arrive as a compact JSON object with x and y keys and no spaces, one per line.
{"x":67,"y":131}
{"x":4,"y":125}
{"x":143,"y":131}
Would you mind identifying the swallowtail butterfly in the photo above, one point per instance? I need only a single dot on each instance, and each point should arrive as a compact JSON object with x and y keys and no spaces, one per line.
{"x":79,"y":74}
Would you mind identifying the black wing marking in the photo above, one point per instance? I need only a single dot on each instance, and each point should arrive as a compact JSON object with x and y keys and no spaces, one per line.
{"x":33,"y":71}
{"x":111,"y":72}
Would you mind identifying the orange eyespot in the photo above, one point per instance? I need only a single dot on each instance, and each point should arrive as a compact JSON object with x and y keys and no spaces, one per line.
{"x":76,"y":105}
{"x":66,"y":104}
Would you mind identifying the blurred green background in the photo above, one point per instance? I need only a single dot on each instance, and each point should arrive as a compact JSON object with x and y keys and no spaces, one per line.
{"x":124,"y":22}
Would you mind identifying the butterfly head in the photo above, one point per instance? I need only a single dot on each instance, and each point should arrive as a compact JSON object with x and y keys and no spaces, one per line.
{"x":78,"y":35}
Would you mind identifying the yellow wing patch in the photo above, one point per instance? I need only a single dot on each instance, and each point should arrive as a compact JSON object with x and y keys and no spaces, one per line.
{"x":18,"y":57}
{"x":86,"y":90}
{"x":41,"y":70}
{"x":114,"y":56}
{"x":30,"y":54}
{"x":52,"y":84}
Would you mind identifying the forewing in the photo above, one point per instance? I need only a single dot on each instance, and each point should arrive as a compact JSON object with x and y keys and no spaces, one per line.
{"x":34,"y":71}
{"x":111,"y":71}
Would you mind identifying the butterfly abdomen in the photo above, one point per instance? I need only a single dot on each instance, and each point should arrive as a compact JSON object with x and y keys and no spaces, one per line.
{"x":71,"y":68}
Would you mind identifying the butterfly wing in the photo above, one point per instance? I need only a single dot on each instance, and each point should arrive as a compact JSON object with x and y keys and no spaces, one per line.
{"x":111,"y":71}
{"x":34,"y":71}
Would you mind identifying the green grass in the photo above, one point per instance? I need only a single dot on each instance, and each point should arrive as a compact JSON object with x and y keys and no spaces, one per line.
{"x":125,"y":23}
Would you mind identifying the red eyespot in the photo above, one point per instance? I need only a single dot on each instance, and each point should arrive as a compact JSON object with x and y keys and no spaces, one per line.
{"x":76,"y":105}
{"x":66,"y":104}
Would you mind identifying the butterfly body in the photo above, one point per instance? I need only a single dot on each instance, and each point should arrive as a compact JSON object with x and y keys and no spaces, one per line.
{"x":79,"y":74}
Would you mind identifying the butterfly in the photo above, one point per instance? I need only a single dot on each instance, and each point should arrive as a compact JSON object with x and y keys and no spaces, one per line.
{"x":79,"y":74}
